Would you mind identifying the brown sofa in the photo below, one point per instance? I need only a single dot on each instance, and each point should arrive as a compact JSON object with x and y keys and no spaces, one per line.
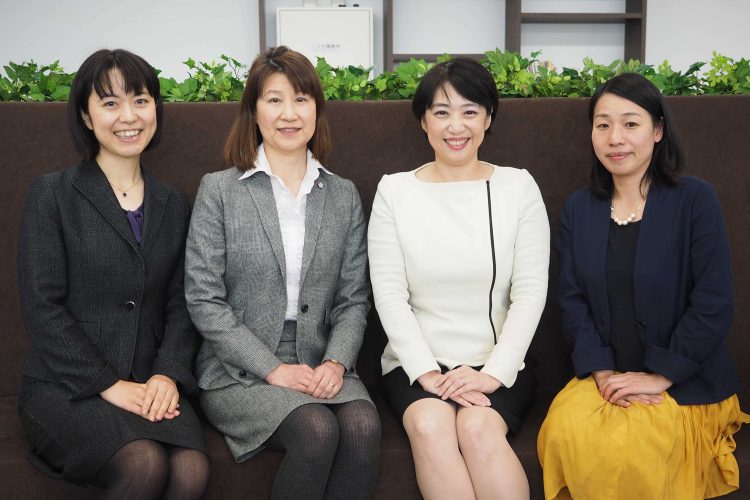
{"x":549,"y":137}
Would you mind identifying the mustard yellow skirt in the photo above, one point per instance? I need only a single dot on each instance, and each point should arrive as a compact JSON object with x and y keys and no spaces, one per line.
{"x":593,"y":450}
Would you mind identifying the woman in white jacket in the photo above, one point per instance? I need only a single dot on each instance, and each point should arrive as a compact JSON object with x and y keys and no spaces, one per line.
{"x":459,"y":254}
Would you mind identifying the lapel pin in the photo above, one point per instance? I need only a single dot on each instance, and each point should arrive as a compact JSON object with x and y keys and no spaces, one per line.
{"x":320,"y":185}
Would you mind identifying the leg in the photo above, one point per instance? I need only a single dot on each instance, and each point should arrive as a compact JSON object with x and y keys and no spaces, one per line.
{"x":494,"y":467}
{"x":138,"y":470}
{"x":355,"y":468}
{"x":188,"y":474}
{"x":310,"y":437}
{"x":441,"y":470}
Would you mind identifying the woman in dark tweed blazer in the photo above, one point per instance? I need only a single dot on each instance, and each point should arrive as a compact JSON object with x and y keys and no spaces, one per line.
{"x":100,"y":264}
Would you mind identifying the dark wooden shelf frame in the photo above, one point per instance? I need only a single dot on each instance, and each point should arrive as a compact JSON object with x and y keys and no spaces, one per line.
{"x":634,"y":19}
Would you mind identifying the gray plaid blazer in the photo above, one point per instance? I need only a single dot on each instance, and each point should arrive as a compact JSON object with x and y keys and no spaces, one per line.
{"x":236,"y":284}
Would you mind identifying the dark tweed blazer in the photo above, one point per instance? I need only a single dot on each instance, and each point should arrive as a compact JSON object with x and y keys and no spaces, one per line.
{"x":98,"y":306}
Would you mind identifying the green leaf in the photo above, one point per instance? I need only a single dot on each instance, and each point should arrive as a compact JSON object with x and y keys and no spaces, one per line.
{"x":61,"y":93}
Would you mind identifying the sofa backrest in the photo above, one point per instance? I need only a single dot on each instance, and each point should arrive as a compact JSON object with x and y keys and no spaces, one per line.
{"x":548,"y":137}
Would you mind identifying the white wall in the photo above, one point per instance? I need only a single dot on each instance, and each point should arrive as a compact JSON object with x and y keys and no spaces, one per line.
{"x":686,"y":31}
{"x":166,"y":32}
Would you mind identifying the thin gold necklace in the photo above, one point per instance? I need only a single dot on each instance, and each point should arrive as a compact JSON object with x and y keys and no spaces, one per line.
{"x":124,"y":192}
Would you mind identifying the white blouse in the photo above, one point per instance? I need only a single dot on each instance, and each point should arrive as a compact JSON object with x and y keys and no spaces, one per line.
{"x":431,"y":266}
{"x":292,"y":212}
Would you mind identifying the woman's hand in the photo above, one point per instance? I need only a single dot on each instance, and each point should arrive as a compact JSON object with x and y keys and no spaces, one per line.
{"x":634,"y":387}
{"x":428,"y":380}
{"x":297,"y":377}
{"x":162,"y":399}
{"x":471,"y":398}
{"x":128,"y":396}
{"x":465,"y":379}
{"x":601,"y":376}
{"x":328,"y":379}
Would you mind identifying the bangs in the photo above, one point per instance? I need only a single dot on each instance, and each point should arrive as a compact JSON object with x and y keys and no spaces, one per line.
{"x":468,"y":90}
{"x":134,"y":78}
{"x":300,"y":79}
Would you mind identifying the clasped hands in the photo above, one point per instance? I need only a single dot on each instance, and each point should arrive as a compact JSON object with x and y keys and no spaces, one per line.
{"x":623,"y":389}
{"x":463,"y":385}
{"x":324,"y":381}
{"x":155,"y":400}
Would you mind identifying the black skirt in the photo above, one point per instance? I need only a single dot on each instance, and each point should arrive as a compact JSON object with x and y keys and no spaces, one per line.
{"x":74,"y":439}
{"x":512,"y":403}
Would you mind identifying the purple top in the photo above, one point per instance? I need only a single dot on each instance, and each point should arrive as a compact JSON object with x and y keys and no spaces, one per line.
{"x":135,"y":217}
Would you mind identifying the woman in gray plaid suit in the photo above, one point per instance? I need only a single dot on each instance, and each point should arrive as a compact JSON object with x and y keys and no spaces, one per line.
{"x":276,"y":284}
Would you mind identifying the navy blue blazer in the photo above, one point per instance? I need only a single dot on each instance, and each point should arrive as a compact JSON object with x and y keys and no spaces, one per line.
{"x":682,"y":284}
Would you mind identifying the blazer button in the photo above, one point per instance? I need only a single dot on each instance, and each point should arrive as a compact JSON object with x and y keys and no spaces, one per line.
{"x":130,"y":305}
{"x":304,"y":308}
{"x":642,"y":325}
{"x":242,"y":374}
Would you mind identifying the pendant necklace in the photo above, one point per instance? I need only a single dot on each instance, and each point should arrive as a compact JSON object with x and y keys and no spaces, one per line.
{"x":124,"y":192}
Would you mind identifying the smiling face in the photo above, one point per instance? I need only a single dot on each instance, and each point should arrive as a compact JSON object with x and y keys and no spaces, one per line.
{"x":623,"y":135}
{"x":455,"y":128}
{"x":285,"y":118}
{"x":124,"y":122}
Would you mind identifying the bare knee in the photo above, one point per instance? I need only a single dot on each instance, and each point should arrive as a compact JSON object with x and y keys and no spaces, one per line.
{"x":429,"y":421}
{"x":481,"y":432}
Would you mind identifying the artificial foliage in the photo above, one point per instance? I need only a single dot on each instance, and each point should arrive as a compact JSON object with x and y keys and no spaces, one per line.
{"x":515,"y":76}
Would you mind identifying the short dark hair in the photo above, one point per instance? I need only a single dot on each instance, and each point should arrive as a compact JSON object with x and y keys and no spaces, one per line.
{"x":95,"y":75}
{"x":241,"y":148}
{"x":469,"y":78}
{"x":668,"y":158}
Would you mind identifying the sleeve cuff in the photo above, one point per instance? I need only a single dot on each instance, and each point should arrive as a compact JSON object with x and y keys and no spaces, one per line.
{"x":591,"y":360}
{"x":176,"y":372}
{"x":104,"y":380}
{"x":416,"y":370}
{"x":675,"y":367}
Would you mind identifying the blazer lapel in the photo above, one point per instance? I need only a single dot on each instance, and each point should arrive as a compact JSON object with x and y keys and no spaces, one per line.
{"x":154,"y":202}
{"x":596,"y":231}
{"x":315,"y":209}
{"x":259,"y":186}
{"x":654,"y":228}
{"x":93,"y":185}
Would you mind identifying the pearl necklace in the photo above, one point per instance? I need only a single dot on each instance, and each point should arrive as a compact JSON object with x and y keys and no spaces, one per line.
{"x":630,"y":218}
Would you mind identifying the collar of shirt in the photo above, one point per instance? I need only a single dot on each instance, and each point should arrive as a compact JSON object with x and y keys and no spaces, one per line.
{"x":308,"y":181}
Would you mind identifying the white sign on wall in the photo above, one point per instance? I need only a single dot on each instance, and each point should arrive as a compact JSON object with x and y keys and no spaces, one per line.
{"x":343,"y":35}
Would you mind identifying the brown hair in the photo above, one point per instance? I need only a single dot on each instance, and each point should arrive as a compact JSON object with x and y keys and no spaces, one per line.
{"x":241,"y":148}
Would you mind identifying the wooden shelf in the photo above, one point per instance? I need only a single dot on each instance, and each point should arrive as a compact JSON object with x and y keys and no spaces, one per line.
{"x":634,"y":19}
{"x":583,"y":18}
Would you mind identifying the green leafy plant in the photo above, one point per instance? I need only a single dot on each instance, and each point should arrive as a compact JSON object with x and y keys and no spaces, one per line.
{"x":343,"y":84}
{"x":213,"y":82}
{"x":31,"y":82}
{"x":514,"y":75}
{"x":725,"y":76}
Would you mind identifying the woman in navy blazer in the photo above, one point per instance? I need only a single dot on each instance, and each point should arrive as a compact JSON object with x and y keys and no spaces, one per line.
{"x":646,"y":296}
